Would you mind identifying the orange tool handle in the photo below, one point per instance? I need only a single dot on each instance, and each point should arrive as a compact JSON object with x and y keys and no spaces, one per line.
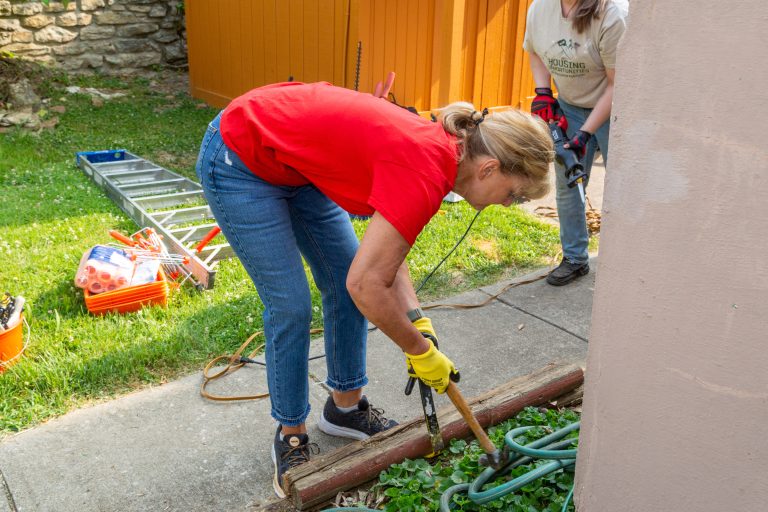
{"x":388,"y":84}
{"x":382,"y":89}
{"x":207,"y":238}
{"x":121,"y":238}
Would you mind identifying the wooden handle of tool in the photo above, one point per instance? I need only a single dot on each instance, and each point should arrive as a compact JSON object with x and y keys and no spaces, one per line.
{"x":461,"y":405}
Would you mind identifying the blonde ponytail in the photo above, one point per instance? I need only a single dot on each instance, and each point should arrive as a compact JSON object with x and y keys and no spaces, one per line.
{"x":458,"y":118}
{"x":519,"y":141}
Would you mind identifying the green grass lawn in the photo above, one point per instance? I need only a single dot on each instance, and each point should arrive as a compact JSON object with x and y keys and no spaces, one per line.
{"x":50,"y":213}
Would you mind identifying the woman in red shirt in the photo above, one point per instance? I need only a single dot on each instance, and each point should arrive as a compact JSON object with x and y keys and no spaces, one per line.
{"x":284,"y":165}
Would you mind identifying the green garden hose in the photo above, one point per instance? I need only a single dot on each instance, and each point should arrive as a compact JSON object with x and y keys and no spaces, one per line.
{"x":551,"y":447}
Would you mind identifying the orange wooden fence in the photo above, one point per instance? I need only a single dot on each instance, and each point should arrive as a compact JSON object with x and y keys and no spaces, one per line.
{"x":441,"y":50}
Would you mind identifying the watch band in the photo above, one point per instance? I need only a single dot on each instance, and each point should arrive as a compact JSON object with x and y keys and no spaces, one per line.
{"x":415,"y":314}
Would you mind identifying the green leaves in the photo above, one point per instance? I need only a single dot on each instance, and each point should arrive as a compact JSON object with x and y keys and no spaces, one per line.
{"x":416,"y":485}
{"x":459,"y":477}
{"x":457,"y":446}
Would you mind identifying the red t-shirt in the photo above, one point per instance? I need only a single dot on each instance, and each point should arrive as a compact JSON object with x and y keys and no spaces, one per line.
{"x":365,"y":153}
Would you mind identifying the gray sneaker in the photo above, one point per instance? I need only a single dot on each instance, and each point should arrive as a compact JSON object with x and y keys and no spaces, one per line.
{"x":287,"y":453}
{"x":360,"y":424}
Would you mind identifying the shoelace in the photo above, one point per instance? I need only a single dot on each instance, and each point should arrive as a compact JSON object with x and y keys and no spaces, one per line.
{"x":376,"y":417}
{"x":300,"y":454}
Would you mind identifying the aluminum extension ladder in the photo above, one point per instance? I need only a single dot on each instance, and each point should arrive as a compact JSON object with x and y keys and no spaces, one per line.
{"x":155,"y":197}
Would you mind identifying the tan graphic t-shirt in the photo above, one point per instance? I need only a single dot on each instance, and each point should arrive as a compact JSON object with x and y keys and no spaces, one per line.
{"x":577,"y":62}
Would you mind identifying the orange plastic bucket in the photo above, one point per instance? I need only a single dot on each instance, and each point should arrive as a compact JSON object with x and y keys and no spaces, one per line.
{"x":11,"y":345}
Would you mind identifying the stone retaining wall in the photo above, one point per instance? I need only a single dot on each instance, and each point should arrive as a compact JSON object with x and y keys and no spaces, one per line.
{"x":111,"y":36}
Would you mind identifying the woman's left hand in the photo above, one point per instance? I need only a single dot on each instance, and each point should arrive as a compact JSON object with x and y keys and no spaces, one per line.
{"x":578,"y":143}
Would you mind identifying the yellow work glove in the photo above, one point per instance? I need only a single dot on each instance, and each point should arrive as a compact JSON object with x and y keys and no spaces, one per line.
{"x":424,"y":325}
{"x":432,"y":367}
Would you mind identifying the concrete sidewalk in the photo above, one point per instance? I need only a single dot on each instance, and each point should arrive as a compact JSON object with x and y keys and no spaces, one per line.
{"x":169,"y":449}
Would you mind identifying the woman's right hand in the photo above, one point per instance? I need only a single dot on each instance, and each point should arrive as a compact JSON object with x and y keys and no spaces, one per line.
{"x":432,"y":367}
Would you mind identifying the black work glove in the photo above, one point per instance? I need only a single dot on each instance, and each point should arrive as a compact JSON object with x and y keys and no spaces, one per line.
{"x":544,"y":104}
{"x":578,"y":143}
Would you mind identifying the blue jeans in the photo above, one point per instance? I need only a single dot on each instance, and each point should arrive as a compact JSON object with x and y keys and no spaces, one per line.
{"x":270,"y":228}
{"x":571,"y":211}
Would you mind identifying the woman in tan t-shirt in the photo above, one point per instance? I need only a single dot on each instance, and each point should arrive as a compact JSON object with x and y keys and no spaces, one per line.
{"x":573,"y":42}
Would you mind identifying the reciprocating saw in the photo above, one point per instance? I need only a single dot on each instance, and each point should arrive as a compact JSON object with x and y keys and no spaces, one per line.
{"x":574,"y":169}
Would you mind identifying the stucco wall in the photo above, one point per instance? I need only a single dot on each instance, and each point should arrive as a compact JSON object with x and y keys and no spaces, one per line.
{"x":676,"y":400}
{"x":112,"y":36}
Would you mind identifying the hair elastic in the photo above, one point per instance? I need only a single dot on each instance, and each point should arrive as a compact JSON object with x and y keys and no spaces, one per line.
{"x":480,"y":120}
